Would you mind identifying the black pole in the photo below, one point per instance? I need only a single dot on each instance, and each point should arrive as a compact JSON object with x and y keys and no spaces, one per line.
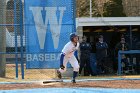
{"x":130,"y":32}
{"x":15,"y":31}
{"x":21,"y":38}
{"x":74,"y":15}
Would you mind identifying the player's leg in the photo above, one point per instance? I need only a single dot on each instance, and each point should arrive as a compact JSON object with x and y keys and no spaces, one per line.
{"x":88,"y":67}
{"x":82,"y":64}
{"x":63,"y":66}
{"x":74,"y":63}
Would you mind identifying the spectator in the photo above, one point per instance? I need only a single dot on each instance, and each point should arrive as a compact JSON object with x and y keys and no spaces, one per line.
{"x":122,"y":45}
{"x":101,"y":54}
{"x":85,"y":49}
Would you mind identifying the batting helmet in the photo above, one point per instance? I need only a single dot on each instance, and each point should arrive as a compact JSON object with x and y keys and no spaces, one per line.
{"x":72,"y":35}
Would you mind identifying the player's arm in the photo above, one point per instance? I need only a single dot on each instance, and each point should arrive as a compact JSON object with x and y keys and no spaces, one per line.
{"x":65,"y":51}
{"x":77,"y":46}
{"x":61,"y":60}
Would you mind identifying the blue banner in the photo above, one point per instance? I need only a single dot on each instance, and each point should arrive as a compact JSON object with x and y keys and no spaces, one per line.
{"x":48,"y":24}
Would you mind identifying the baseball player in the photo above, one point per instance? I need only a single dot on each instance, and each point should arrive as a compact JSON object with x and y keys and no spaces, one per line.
{"x":67,"y":55}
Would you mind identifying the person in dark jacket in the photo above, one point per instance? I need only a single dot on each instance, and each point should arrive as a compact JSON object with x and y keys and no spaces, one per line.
{"x":101,"y":54}
{"x":122,"y":45}
{"x":85,"y":49}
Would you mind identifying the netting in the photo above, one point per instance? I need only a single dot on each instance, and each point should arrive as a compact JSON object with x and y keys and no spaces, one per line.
{"x":10,"y":33}
{"x":12,"y":46}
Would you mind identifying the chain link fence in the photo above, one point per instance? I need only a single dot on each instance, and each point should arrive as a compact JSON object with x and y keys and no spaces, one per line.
{"x":10,"y":37}
{"x":2,"y":38}
{"x":12,"y":48}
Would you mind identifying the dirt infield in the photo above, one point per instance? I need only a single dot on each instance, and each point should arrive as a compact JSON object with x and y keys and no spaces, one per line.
{"x":128,"y":84}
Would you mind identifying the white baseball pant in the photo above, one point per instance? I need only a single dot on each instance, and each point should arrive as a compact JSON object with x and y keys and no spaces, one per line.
{"x":73,"y":61}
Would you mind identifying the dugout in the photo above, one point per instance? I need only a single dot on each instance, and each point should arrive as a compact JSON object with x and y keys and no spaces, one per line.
{"x":112,"y":29}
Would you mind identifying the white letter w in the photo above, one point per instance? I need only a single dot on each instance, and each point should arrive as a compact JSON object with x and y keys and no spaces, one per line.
{"x":41,"y":27}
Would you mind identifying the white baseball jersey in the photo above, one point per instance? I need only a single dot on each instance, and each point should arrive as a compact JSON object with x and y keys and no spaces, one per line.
{"x":69,"y":49}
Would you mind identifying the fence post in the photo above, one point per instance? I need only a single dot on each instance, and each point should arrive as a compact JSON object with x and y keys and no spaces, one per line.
{"x":15,"y":31}
{"x":2,"y":37}
{"x":119,"y":63}
{"x":21,"y":38}
{"x":90,"y":8}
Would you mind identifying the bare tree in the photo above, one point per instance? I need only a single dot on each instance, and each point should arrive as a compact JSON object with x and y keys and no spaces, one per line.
{"x":98,"y":7}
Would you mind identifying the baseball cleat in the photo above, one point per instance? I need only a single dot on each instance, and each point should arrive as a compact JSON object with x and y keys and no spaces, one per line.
{"x":73,"y":81}
{"x":59,"y":74}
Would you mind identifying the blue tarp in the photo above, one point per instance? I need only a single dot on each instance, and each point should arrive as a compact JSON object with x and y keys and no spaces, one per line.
{"x":48,"y":24}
